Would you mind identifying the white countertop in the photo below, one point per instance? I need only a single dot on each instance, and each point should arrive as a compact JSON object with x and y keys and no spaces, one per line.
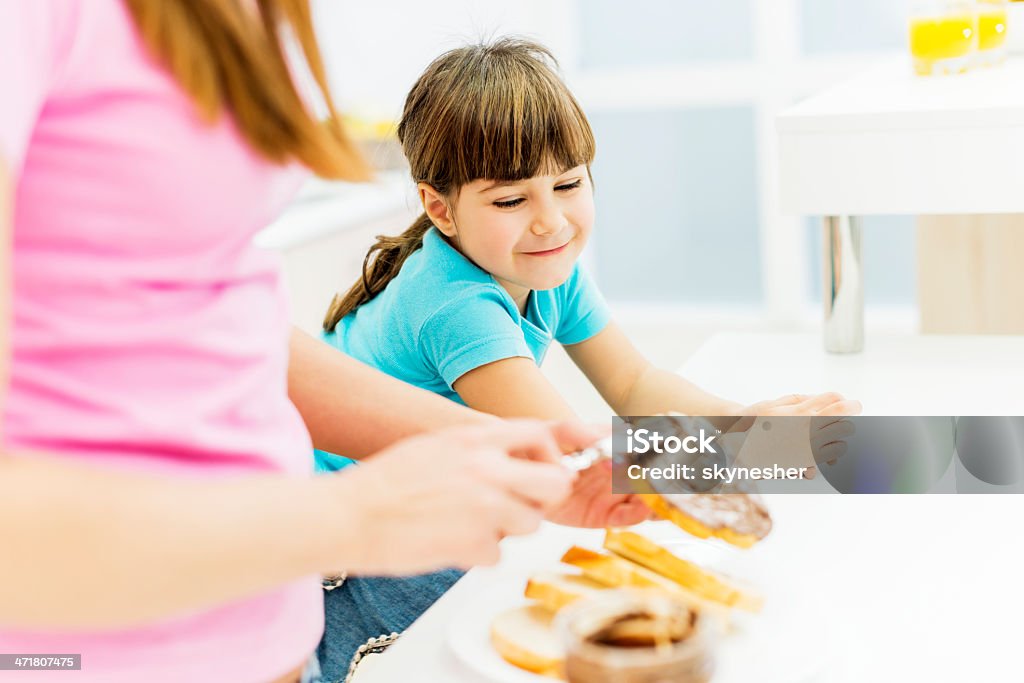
{"x":323,"y":207}
{"x":890,"y":142}
{"x":889,"y":588}
{"x":890,"y":96}
{"x":896,"y":374}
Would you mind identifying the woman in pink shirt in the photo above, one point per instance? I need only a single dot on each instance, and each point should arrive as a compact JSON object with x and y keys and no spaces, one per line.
{"x":156,"y":506}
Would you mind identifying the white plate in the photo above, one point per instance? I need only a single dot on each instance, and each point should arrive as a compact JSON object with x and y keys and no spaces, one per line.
{"x":786,"y":643}
{"x":469,"y":635}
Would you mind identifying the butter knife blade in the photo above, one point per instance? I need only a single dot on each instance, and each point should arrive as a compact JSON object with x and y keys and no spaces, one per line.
{"x":584,"y":458}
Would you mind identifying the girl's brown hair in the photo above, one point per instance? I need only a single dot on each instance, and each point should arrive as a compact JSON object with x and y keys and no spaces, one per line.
{"x":228,"y":56}
{"x":497,"y":111}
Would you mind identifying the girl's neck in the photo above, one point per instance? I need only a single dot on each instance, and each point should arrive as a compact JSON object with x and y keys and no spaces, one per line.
{"x":520,"y":295}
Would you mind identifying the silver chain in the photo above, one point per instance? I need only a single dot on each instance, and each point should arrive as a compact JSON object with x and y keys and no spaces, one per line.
{"x":329,"y":583}
{"x":370,"y":647}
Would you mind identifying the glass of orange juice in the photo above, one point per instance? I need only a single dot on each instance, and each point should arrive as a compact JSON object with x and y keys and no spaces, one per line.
{"x":992,"y":30}
{"x":943,"y":35}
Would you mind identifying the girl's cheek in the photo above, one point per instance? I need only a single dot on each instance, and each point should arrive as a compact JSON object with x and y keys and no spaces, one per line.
{"x":583,"y":217}
{"x":509,"y":230}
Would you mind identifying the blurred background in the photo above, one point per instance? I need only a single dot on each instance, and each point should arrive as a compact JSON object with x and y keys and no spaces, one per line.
{"x":682,"y":95}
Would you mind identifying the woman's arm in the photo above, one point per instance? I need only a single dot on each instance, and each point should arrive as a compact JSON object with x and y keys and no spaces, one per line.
{"x":82,"y":547}
{"x":353,"y":409}
{"x":85,"y":547}
{"x":632,"y":386}
{"x":88,"y":548}
{"x":515,"y":387}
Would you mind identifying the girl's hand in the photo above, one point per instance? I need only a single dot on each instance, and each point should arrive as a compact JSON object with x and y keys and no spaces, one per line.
{"x":446,"y":499}
{"x":830,"y":403}
{"x":593,"y":505}
{"x":807,"y":442}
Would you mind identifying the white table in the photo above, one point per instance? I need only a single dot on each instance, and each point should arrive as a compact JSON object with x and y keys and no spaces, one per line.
{"x":909,"y":587}
{"x":888,"y":142}
{"x":323,"y":207}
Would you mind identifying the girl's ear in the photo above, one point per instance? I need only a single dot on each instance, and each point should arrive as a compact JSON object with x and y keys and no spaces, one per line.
{"x":436,"y":209}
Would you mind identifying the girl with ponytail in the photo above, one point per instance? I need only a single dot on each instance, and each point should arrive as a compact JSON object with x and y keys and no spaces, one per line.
{"x":467,"y":300}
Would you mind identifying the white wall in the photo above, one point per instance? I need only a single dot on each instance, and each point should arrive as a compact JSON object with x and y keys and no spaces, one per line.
{"x":375,"y":50}
{"x":786,"y":50}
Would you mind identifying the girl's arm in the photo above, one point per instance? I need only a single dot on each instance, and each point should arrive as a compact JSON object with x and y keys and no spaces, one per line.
{"x":513,"y":387}
{"x":632,"y":386}
{"x":351,"y":408}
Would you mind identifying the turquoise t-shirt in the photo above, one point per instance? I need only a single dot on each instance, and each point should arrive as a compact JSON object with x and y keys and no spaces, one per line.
{"x":443,"y":316}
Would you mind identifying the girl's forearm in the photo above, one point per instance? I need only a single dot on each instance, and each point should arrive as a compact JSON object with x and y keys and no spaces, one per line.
{"x":350,"y":408}
{"x":86,"y":548}
{"x":657,"y":391}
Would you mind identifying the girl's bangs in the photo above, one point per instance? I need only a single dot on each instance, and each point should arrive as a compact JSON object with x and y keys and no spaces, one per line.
{"x":528,"y":125}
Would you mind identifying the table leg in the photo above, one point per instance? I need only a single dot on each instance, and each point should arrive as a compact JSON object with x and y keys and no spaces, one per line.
{"x":844,"y":285}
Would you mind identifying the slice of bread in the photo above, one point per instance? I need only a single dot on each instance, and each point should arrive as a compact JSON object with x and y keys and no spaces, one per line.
{"x":555,"y":591}
{"x":524,"y":637}
{"x":618,"y":572}
{"x":690,"y":576}
{"x":678,"y":514}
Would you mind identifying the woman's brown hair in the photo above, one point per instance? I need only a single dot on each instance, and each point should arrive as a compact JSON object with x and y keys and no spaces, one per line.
{"x":495,"y":111}
{"x":228,"y":56}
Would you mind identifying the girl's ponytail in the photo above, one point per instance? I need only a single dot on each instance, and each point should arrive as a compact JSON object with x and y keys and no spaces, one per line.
{"x":391,"y":253}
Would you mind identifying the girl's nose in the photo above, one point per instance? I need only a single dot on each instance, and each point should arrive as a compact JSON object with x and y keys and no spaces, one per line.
{"x":549,"y":222}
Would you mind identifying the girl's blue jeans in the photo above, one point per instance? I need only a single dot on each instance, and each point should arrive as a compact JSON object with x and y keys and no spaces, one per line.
{"x":369,"y":607}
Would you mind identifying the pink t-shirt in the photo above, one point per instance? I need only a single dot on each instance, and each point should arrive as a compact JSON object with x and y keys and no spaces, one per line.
{"x":148,"y":333}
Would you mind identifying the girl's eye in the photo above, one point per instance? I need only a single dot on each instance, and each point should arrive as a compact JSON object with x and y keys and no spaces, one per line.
{"x":510,"y":203}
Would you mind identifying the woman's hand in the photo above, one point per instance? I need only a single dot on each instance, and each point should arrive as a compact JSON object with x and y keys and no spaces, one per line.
{"x":446,"y":499}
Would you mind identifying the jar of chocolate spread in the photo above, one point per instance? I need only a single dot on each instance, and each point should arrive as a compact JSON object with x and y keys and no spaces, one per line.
{"x":632,"y":636}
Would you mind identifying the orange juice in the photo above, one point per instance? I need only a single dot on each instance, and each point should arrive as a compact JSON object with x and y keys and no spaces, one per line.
{"x":991,"y":28}
{"x":942,"y":43}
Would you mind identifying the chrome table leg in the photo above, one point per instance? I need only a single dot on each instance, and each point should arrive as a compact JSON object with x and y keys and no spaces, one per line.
{"x":844,"y":285}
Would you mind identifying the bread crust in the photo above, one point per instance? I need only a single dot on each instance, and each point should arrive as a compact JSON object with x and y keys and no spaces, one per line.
{"x":689,"y":524}
{"x":703,"y":582}
{"x":508,"y":640}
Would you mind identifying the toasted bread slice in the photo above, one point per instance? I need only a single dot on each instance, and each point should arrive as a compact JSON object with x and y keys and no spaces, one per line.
{"x":618,"y":572}
{"x":702,"y":582}
{"x":524,"y":637}
{"x":689,"y":523}
{"x":555,"y":591}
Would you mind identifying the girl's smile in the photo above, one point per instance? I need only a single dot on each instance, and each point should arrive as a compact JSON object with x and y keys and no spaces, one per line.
{"x":527,"y":233}
{"x":547,"y":252}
